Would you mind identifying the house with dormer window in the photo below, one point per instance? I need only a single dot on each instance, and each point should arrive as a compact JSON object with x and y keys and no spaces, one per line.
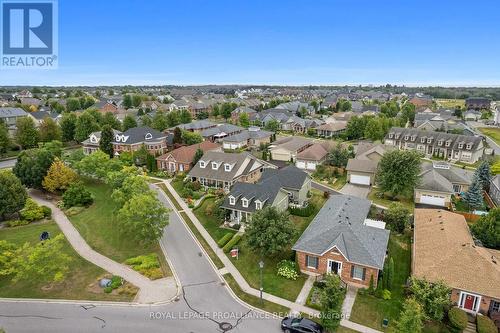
{"x":277,"y":188}
{"x":222,"y":170}
{"x":454,"y":147}
{"x":91,"y":144}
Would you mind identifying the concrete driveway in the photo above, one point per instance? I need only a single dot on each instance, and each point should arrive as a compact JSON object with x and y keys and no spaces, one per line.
{"x":359,"y":191}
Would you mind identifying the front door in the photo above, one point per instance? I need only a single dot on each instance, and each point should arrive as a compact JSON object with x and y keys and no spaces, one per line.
{"x":469,"y":302}
{"x":335,"y":267}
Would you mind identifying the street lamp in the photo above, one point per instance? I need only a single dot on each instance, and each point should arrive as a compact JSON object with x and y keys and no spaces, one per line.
{"x":261,"y":266}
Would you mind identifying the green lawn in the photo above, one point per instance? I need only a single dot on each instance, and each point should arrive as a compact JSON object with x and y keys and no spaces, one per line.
{"x":374,"y":196}
{"x":369,"y":310}
{"x":254,"y":300}
{"x":247,"y":262}
{"x":493,"y":133}
{"x":210,"y":221}
{"x":340,"y":182}
{"x":82,"y":273}
{"x":99,"y":226}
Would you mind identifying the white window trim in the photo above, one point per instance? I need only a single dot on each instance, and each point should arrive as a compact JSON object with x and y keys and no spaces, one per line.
{"x":244,"y":202}
{"x":356,"y":278}
{"x":429,"y":140}
{"x":307,"y":261}
{"x":469,"y":146}
{"x":460,"y":146}
{"x":461,"y":304}
{"x":329,"y":268}
{"x":148,"y":136}
{"x":215,"y":165}
{"x":203,"y":164}
{"x":232,"y":200}
{"x":258,"y":205}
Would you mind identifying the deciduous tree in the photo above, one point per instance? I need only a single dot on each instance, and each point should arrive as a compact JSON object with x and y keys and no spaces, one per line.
{"x":49,"y":130}
{"x":77,"y":195}
{"x":12,"y":194}
{"x":487,"y":229}
{"x":191,"y":138}
{"x":68,"y":125}
{"x":411,"y":317}
{"x":4,"y":138}
{"x":397,"y":217}
{"x":398,"y":172}
{"x":59,"y":177}
{"x":85,"y":124}
{"x":97,"y":165}
{"x":129,"y":122}
{"x":32,"y":165}
{"x":185,"y":117}
{"x":270,"y":231}
{"x":244,"y":120}
{"x":433,"y":297}
{"x":331,"y":298}
{"x":26,"y":133}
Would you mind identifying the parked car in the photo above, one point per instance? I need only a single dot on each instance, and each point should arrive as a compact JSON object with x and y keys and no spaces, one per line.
{"x":300,"y":325}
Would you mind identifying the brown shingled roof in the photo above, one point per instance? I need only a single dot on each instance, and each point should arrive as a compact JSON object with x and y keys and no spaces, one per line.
{"x":186,"y":154}
{"x":314,"y":153}
{"x":444,"y":250}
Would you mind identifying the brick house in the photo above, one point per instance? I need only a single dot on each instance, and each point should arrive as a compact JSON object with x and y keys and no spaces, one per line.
{"x":444,"y":250}
{"x":181,"y":159}
{"x":342,"y":240}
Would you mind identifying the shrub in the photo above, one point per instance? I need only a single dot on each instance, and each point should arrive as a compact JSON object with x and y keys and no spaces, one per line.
{"x":386,"y":294}
{"x":47,"y":212}
{"x":116,"y":282}
{"x":77,"y":195}
{"x":74,"y":211}
{"x":147,"y":265}
{"x":485,"y":325}
{"x":235,"y":240}
{"x":458,"y":319}
{"x":32,"y":211}
{"x":288,"y":269}
{"x":223,"y":241}
{"x":16,"y":223}
{"x":108,"y":290}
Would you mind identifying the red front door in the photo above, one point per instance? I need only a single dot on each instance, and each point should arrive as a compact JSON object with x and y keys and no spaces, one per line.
{"x":469,"y":302}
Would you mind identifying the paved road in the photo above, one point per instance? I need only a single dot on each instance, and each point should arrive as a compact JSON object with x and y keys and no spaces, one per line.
{"x":474,"y":125}
{"x":7,"y":163}
{"x":203,"y":294}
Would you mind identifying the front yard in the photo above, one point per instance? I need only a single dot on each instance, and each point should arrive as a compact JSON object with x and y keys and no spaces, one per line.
{"x":81,"y":282}
{"x":378,"y":198}
{"x":98,"y":226}
{"x":493,"y":133}
{"x":248,"y":262}
{"x":369,"y":310}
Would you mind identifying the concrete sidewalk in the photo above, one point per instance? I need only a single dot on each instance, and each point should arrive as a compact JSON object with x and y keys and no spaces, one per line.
{"x":230,"y":268}
{"x":161,"y":290}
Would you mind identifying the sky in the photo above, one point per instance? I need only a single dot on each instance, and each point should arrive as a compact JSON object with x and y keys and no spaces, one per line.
{"x":154,"y":42}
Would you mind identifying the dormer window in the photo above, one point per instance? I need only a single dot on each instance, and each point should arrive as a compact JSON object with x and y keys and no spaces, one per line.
{"x":448,"y":143}
{"x":215,"y":165}
{"x":469,"y":146}
{"x":232,"y":200}
{"x":203,"y":164}
{"x":148,"y":136}
{"x":244,"y":202}
{"x":93,"y":138}
{"x":422,"y":140}
{"x":406,"y":137}
{"x":413,"y":137}
{"x":258,"y":205}
{"x":391,"y":135}
{"x":429,"y":140}
{"x":460,"y":145}
{"x":397,"y":136}
{"x":227,"y":167}
{"x":440,"y":142}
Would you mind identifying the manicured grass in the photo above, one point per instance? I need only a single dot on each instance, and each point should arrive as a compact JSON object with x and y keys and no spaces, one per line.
{"x":450,"y":103}
{"x":82,"y":273}
{"x":247,"y":262}
{"x":385,"y":201}
{"x":369,"y":310}
{"x":435,"y":327}
{"x":217,"y":262}
{"x":493,"y":133}
{"x":170,"y":196}
{"x":340,"y":182}
{"x":211,"y":222}
{"x":99,"y":226}
{"x":254,"y":300}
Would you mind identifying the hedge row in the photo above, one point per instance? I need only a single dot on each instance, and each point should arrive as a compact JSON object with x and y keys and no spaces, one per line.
{"x":223,"y":241}
{"x":235,"y":240}
{"x":485,"y":325}
{"x":303,"y":212}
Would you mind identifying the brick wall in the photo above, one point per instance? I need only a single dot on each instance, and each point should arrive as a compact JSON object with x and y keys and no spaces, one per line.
{"x":483,"y":307}
{"x":346,"y":268}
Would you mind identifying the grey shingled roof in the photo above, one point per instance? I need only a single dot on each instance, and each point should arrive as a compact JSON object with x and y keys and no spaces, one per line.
{"x":452,"y":174}
{"x":12,"y":112}
{"x":138,"y":134}
{"x":238,"y":160}
{"x":224,"y":128}
{"x":361,"y":165}
{"x":432,"y":180}
{"x":340,"y":224}
{"x":290,"y":177}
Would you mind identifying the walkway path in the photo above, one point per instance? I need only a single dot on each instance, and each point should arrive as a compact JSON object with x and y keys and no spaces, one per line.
{"x":161,"y":290}
{"x":230,"y":268}
{"x":304,"y":292}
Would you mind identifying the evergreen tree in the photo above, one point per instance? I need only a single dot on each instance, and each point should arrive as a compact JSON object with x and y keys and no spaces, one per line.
{"x":474,"y":196}
{"x":105,"y":144}
{"x":483,"y":174}
{"x":197,"y":155}
{"x":177,"y":135}
{"x":390,"y":274}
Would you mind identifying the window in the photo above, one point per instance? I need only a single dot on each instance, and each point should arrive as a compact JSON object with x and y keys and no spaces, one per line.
{"x":244,"y":202}
{"x":258,"y":205}
{"x":228,"y":167}
{"x":391,"y":135}
{"x":429,"y":140}
{"x":148,"y":136}
{"x":232,"y":200}
{"x":357,"y":272}
{"x":203,"y":164}
{"x":495,"y":306}
{"x":312,"y":262}
{"x":460,"y":145}
{"x":469,"y":146}
{"x":406,"y":137}
{"x":440,"y":142}
{"x":413,"y":137}
{"x":448,"y":143}
{"x":215,"y":165}
{"x":422,"y":140}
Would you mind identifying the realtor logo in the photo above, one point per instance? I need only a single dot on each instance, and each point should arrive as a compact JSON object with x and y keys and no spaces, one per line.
{"x":29,"y":33}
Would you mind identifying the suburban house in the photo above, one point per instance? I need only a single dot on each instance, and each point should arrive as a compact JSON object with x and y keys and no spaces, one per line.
{"x":9,"y":117}
{"x":311,"y":157}
{"x":217,"y":133}
{"x":472,"y":114}
{"x":342,"y":240}
{"x":363,"y":169}
{"x":455,"y":147}
{"x":251,"y":137}
{"x":331,"y":129}
{"x":235,"y":115}
{"x":131,"y":140}
{"x":444,"y":250}
{"x":39,"y":116}
{"x":196,"y":126}
{"x":35,"y":102}
{"x":494,"y":190}
{"x":421,"y":100}
{"x":477,"y":103}
{"x":277,"y":188}
{"x":181,"y":159}
{"x":288,"y":148}
{"x":223,"y":170}
{"x":442,"y":120}
{"x":439,"y":181}
{"x":91,"y":144}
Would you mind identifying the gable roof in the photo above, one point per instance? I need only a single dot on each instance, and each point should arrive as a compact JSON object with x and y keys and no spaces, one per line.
{"x":138,"y":135}
{"x":290,"y":176}
{"x":361,"y":165}
{"x":185,"y":154}
{"x":444,"y":250}
{"x":291,"y":143}
{"x":340,"y":224}
{"x":12,"y":112}
{"x":316,"y":152}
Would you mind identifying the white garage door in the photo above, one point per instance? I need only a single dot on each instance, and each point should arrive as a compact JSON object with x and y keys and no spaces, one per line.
{"x":432,"y":200}
{"x":300,"y":164}
{"x":311,"y":165}
{"x":358,"y":179}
